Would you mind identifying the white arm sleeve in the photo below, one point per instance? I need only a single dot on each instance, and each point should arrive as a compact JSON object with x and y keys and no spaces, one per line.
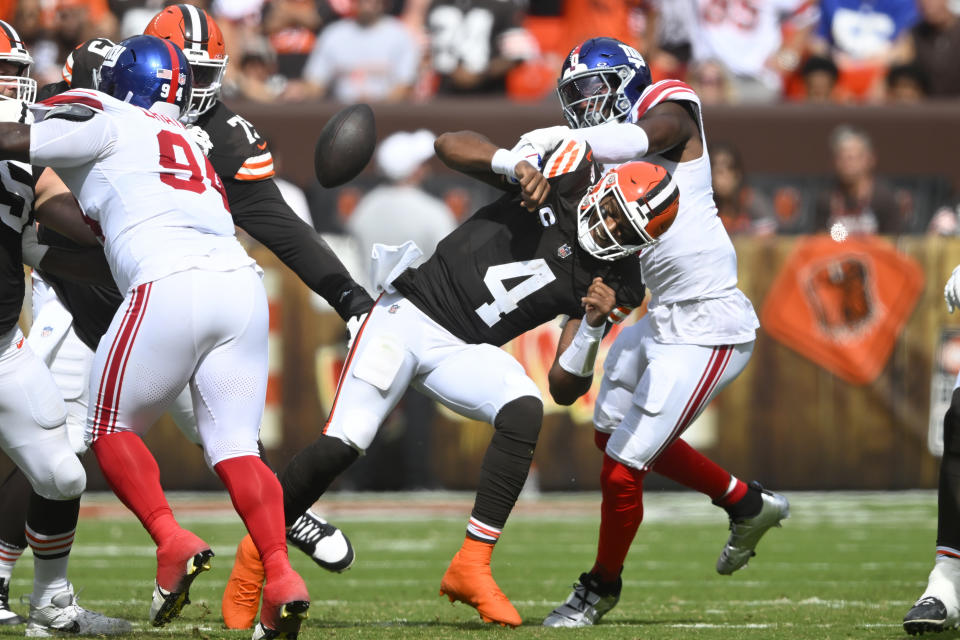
{"x":615,"y":142}
{"x":57,"y":142}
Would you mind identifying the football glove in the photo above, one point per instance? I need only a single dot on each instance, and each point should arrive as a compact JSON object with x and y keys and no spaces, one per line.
{"x":543,"y":140}
{"x":202,"y":138}
{"x":354,"y":324}
{"x":951,"y":292}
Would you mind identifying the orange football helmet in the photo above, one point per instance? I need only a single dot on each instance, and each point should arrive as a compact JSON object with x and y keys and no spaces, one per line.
{"x":193,"y":30}
{"x":628,"y":209}
{"x":14,"y":52}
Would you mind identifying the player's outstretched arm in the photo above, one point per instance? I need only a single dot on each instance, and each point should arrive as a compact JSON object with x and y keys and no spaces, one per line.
{"x":259,"y":209}
{"x":572,"y":371}
{"x":474,"y":155}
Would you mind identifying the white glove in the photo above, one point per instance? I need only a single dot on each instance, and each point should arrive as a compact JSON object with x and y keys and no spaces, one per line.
{"x":543,"y":140}
{"x":951,"y":292}
{"x":202,"y":138}
{"x":33,"y":251}
{"x":354,"y":324}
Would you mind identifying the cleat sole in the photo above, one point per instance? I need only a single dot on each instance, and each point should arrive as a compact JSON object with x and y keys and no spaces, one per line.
{"x":175,"y":601}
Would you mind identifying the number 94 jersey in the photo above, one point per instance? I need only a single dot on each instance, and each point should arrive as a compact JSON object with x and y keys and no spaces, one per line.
{"x":144,"y":186}
{"x":506,"y":270}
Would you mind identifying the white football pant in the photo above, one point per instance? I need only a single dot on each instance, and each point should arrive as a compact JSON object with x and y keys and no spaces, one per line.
{"x":399,"y":346}
{"x":32,"y":415}
{"x":652,"y":391}
{"x":205,"y":328}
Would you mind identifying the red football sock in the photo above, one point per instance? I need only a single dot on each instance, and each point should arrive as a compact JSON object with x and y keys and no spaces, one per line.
{"x":683,"y":464}
{"x":620,"y":516}
{"x":258,"y":498}
{"x":131,"y":471}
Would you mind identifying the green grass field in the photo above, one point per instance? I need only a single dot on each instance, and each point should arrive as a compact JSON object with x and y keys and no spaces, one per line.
{"x":843,"y":566}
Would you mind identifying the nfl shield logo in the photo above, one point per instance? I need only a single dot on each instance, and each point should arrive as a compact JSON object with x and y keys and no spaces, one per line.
{"x":393,"y":308}
{"x":45,"y":333}
{"x":564,"y":251}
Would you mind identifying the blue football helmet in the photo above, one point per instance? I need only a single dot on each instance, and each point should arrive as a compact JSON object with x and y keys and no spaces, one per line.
{"x":145,"y":71}
{"x":601,"y":79}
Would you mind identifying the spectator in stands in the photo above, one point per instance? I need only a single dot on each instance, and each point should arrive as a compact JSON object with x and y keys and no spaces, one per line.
{"x":864,"y":39}
{"x":858,"y":199}
{"x":669,"y":48}
{"x":292,"y":26}
{"x":401,"y":210}
{"x":749,"y":42}
{"x":819,"y":79}
{"x":935,"y":42}
{"x":475,"y":43}
{"x":259,"y":79}
{"x":906,"y":83}
{"x":709,"y":78}
{"x":370,"y":57}
{"x":742,"y":209}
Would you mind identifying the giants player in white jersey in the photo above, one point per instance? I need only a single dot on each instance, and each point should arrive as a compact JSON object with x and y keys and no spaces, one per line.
{"x":695,"y":339}
{"x":194,"y":310}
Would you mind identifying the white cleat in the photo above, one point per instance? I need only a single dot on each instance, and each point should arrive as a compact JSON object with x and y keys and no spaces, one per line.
{"x":322,"y":541}
{"x":589,"y":602}
{"x":746,"y":533}
{"x":938,"y":608}
{"x":64,"y":616}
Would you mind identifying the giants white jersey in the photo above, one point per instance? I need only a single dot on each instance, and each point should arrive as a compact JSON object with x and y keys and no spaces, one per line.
{"x":144,"y":186}
{"x":691,"y":272}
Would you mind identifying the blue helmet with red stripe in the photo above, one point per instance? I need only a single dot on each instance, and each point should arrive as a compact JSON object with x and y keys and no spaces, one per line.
{"x":149,"y":72}
{"x":601,"y":79}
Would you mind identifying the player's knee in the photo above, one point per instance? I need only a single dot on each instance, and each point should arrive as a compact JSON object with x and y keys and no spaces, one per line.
{"x":617,"y":478}
{"x":951,"y":425}
{"x":219,"y":449}
{"x":69,"y":479}
{"x":518,"y":425}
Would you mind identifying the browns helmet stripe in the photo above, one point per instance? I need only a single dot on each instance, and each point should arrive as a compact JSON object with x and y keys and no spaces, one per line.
{"x":16,"y":44}
{"x":196,"y":32}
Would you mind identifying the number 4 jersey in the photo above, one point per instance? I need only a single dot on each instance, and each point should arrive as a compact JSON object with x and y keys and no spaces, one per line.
{"x":507,"y":270}
{"x":144,"y":186}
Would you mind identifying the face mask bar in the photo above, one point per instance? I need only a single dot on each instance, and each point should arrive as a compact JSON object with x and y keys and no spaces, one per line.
{"x":24,"y":88}
{"x":594,"y":97}
{"x":207,"y":80}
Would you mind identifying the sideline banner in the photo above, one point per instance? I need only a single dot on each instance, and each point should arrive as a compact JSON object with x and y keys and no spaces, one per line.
{"x":843,"y":304}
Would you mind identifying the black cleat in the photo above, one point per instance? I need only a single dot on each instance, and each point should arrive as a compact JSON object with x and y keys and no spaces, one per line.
{"x":928,"y":614}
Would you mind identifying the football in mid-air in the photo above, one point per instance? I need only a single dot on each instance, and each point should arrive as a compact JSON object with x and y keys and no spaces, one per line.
{"x":345,"y":145}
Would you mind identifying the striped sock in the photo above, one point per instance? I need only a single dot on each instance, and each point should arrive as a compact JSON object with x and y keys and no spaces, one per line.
{"x":9,"y":555}
{"x":51,"y":553}
{"x":482,"y":532}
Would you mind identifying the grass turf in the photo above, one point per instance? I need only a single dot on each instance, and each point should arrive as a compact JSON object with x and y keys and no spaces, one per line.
{"x":843,"y":566}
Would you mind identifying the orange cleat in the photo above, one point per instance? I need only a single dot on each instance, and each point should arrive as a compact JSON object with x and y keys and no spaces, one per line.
{"x":469,"y":580}
{"x":285,"y":604}
{"x":241,"y":597}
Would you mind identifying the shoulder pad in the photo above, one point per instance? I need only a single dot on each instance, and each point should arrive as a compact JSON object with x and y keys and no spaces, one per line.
{"x":72,"y":112}
{"x":664,"y":91}
{"x":566,"y":158}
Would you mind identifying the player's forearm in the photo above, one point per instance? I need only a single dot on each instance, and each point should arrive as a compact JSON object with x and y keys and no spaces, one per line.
{"x":259,"y":209}
{"x":81,"y":265}
{"x":566,"y":385}
{"x":466,"y":151}
{"x":615,"y":142}
{"x":14,"y":141}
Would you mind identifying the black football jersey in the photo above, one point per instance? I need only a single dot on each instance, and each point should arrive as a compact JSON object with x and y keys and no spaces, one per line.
{"x":16,"y":206}
{"x":507,"y":270}
{"x":238,"y":152}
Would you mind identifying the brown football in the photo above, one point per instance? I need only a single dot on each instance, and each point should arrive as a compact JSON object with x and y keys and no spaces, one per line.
{"x":345,"y":145}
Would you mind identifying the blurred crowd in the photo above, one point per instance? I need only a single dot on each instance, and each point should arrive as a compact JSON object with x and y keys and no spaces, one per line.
{"x":731,"y":51}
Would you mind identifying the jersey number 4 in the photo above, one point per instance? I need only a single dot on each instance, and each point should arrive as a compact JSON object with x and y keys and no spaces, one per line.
{"x":536,"y":274}
{"x":177,"y":155}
